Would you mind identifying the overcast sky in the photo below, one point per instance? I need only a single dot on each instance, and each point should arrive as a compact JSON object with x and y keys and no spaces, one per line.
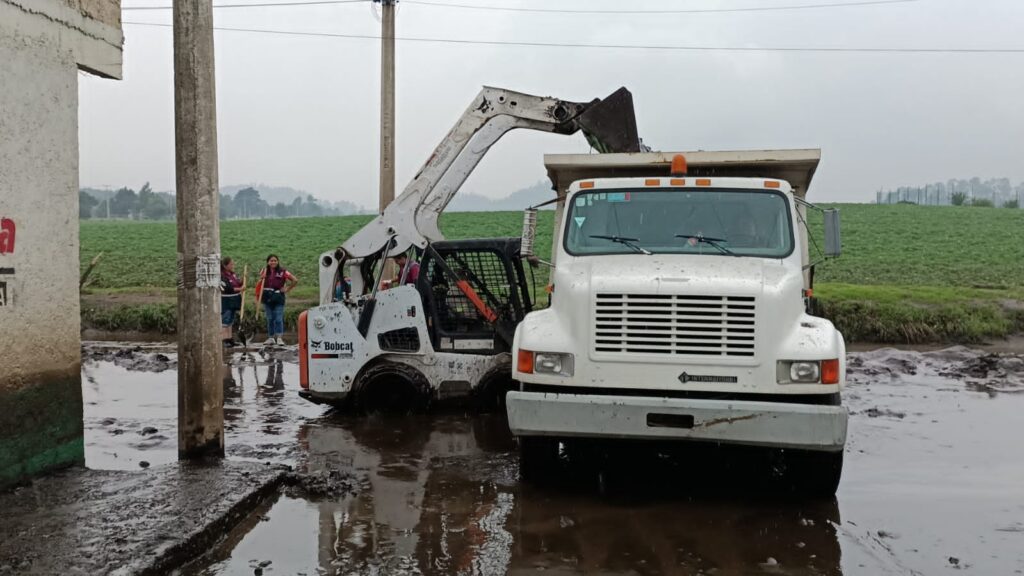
{"x":303,"y":111}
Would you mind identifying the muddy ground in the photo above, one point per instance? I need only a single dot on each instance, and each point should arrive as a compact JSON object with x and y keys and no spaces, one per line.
{"x":933,"y":482}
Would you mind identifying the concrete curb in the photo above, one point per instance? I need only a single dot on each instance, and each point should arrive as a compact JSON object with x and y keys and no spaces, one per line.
{"x":82,"y":521}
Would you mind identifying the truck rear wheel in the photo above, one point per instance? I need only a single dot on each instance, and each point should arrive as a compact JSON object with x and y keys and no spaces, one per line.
{"x":538,"y":458}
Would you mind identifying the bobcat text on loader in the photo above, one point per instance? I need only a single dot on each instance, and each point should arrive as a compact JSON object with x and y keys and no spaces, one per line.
{"x":678,"y":313}
{"x":449,"y":333}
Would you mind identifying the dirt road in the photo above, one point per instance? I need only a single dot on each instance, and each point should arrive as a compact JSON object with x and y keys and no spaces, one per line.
{"x":933,"y":483}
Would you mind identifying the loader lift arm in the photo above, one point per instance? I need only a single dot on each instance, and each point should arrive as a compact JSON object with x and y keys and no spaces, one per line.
{"x":411,"y":219}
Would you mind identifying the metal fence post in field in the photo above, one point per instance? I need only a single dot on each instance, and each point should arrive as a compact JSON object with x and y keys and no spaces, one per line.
{"x":200,"y":392}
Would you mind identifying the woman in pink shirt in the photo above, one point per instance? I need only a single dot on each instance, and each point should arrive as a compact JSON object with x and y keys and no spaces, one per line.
{"x":275,"y":282}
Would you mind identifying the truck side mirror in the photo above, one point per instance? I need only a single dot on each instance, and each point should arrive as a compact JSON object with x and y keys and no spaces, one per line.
{"x":529,"y":232}
{"x":833,"y":238}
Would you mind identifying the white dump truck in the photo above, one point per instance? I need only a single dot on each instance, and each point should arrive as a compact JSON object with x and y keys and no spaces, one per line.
{"x":678,"y":312}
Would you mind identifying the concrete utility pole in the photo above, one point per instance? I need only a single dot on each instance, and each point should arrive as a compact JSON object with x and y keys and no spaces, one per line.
{"x":200,"y":389}
{"x":387,"y":104}
{"x":387,"y":114}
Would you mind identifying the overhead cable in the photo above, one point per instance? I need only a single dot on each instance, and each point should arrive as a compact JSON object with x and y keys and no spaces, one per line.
{"x":667,"y":47}
{"x":455,"y":5}
{"x":258,"y":5}
{"x":665,"y":11}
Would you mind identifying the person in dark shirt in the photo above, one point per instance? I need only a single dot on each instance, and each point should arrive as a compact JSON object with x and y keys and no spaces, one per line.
{"x":231,"y":288}
{"x":414,"y":269}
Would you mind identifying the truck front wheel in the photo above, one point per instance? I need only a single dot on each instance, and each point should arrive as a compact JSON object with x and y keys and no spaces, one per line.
{"x":813,"y":473}
{"x":538,"y":458}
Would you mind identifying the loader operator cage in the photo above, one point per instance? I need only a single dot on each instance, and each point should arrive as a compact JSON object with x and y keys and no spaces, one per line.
{"x":493,"y":270}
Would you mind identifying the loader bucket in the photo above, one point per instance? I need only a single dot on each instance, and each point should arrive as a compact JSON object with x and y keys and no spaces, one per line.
{"x":610,"y":124}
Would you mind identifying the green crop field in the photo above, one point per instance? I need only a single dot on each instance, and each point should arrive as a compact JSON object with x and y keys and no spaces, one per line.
{"x":140,"y":255}
{"x":899,"y":261}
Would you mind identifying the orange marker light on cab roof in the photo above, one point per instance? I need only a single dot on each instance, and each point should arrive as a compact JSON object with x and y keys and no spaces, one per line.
{"x":772,"y":184}
{"x":587,"y":184}
{"x":652,"y":182}
{"x":678,"y":165}
{"x":677,"y":182}
{"x":703,"y":181}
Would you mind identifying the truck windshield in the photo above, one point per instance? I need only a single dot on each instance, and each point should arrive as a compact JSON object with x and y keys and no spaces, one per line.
{"x":744,"y":223}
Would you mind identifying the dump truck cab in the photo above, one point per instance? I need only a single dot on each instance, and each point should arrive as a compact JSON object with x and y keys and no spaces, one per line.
{"x":678,"y":311}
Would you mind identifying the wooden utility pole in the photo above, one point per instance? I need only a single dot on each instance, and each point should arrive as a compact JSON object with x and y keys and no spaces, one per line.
{"x":200,"y":391}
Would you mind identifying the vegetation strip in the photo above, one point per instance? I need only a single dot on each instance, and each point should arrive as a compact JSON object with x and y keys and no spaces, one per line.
{"x":904,"y":276}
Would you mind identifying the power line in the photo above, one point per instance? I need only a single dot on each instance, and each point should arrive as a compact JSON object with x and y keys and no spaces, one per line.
{"x":684,"y":11}
{"x":822,"y":49}
{"x":555,"y":10}
{"x":260,"y":5}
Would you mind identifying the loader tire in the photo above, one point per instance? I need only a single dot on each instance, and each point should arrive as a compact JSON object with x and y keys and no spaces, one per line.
{"x":490,"y":394}
{"x":392,"y":389}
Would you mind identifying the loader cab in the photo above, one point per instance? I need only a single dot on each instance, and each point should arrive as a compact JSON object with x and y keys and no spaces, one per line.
{"x":494,"y":272}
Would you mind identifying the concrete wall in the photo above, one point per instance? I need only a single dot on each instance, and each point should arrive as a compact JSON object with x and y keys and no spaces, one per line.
{"x":43,"y":44}
{"x":106,"y":12}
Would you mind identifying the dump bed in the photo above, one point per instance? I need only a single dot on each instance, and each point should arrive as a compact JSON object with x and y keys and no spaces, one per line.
{"x":794,"y":166}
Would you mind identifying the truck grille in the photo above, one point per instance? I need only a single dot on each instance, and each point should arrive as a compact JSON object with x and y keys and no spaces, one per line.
{"x":674,"y":324}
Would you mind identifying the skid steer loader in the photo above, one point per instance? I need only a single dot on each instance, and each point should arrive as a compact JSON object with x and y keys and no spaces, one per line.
{"x":448,"y":334}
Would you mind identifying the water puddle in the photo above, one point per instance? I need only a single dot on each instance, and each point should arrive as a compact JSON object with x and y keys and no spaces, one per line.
{"x":130,"y":397}
{"x":932,"y":483}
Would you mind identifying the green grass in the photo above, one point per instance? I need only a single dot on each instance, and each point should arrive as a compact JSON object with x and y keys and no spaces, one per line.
{"x":132,"y":318}
{"x":906,"y":245}
{"x":907,"y":274}
{"x":911,"y":322}
{"x":142,"y":255}
{"x":924,"y":295}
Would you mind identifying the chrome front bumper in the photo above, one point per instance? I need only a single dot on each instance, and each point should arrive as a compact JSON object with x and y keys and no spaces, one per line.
{"x":751,"y":423}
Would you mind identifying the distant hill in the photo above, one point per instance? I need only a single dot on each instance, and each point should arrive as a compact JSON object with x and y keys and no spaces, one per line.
{"x":270,"y":194}
{"x":518,"y":200}
{"x":463,"y":202}
{"x":286,"y":195}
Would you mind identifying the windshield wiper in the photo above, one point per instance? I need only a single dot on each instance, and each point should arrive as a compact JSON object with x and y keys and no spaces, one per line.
{"x":716,"y":242}
{"x":631,"y":242}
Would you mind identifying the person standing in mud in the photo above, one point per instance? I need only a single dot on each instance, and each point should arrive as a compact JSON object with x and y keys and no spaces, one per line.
{"x":275,"y":283}
{"x":231,"y":289}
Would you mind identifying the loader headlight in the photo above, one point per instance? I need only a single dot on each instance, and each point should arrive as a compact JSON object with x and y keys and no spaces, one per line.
{"x":807,"y":371}
{"x":556,"y":363}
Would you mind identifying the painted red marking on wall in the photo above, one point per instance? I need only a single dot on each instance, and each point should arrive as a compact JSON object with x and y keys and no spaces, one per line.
{"x":7,"y":229}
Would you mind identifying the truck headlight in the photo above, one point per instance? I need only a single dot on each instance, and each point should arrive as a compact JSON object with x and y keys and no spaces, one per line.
{"x":807,"y":371}
{"x":804,"y":372}
{"x":556,"y":363}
